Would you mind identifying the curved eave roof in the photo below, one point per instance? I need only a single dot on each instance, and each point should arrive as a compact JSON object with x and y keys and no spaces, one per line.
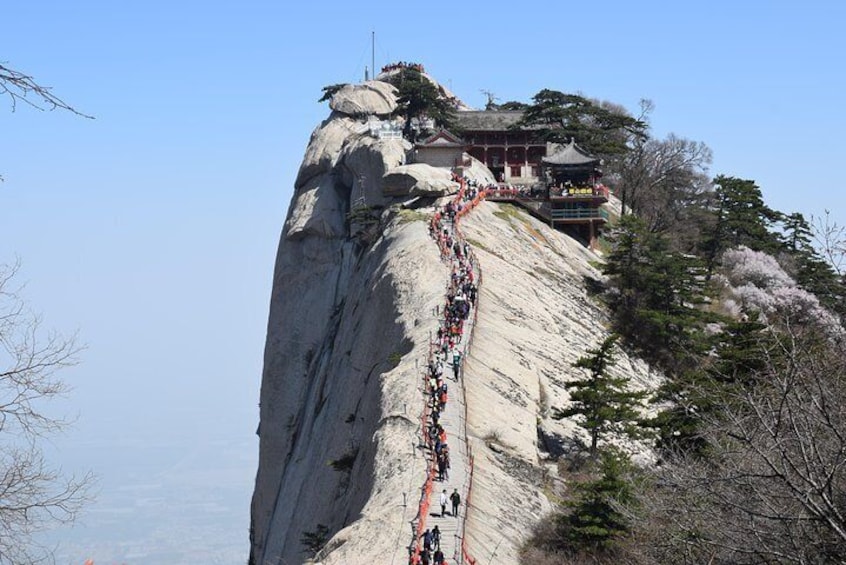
{"x":571,"y":154}
{"x":442,"y":138}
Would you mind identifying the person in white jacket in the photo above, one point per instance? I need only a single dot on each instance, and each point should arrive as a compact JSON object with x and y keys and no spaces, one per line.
{"x":444,"y":501}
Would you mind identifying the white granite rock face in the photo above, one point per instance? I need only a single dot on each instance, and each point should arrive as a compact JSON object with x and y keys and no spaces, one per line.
{"x":347,"y":338}
{"x":477,"y":171}
{"x":346,"y":334}
{"x":318,"y":209}
{"x":364,"y":160}
{"x":419,"y":179}
{"x":347,"y":330}
{"x":445,"y":92}
{"x":324,"y":147}
{"x":535,"y":319}
{"x":373,"y":97}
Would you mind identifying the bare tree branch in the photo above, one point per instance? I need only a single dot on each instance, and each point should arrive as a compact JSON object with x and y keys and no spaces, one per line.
{"x":22,"y":88}
{"x":33,"y":496}
{"x":830,"y":238}
{"x":772,"y":488}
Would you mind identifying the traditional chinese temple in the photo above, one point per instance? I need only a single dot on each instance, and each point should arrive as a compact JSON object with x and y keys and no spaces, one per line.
{"x":574,"y":191}
{"x":559,"y":184}
{"x":513,"y":155}
{"x":441,"y":149}
{"x":572,"y":194}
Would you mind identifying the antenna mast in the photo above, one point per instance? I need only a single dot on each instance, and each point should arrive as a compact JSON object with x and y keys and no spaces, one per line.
{"x":373,"y":52}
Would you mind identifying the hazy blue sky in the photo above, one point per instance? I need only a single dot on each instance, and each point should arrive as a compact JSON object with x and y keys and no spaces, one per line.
{"x":152,"y":229}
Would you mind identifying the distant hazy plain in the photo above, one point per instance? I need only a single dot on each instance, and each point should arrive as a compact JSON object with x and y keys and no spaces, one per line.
{"x":164,"y":503}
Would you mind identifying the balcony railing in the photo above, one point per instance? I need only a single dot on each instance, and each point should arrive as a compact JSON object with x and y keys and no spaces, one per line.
{"x":579,"y":214}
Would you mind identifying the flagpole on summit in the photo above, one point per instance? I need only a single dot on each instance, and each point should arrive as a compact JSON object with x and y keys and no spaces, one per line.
{"x":373,"y":52}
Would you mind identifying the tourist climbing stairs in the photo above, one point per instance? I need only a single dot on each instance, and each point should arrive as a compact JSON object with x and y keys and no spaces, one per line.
{"x":448,"y":349}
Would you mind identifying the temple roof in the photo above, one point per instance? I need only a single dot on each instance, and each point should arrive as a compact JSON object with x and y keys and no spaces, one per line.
{"x":488,"y":120}
{"x":571,"y":154}
{"x":442,"y":138}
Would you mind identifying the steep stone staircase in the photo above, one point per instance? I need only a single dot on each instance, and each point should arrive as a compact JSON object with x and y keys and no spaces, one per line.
{"x":453,"y":417}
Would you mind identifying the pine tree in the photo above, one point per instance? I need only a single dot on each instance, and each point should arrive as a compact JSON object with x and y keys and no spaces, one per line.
{"x":656,"y":294}
{"x":330,"y":90}
{"x":737,"y":355}
{"x":558,"y":117}
{"x":811,"y":270}
{"x":595,"y":519}
{"x":798,"y":234}
{"x":604,"y":402}
{"x":742,"y":219}
{"x":418,"y":97}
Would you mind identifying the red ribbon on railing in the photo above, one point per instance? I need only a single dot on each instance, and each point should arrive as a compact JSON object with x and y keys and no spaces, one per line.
{"x":474,"y":262}
{"x":426,"y":491}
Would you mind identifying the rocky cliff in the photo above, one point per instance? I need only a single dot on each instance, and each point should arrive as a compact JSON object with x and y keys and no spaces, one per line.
{"x":356,"y":289}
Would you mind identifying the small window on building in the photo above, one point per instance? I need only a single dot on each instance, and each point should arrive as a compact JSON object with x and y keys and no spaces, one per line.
{"x":535,"y":171}
{"x":515,"y":171}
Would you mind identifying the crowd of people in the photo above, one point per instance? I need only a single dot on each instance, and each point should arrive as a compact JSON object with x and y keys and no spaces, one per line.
{"x":559,"y":190}
{"x":432,"y":541}
{"x":460,"y":298}
{"x":403,"y":65}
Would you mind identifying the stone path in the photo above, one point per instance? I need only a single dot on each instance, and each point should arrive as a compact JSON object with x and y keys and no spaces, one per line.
{"x":453,"y":417}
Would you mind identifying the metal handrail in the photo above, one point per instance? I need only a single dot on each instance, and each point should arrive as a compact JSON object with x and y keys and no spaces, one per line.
{"x":579,"y":213}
